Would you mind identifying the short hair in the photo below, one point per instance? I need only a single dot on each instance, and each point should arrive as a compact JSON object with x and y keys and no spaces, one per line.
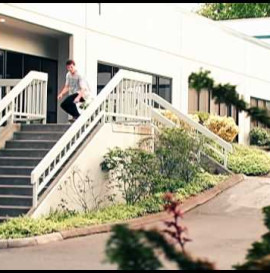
{"x":69,"y":62}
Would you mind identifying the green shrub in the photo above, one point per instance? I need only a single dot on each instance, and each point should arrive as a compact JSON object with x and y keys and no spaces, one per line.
{"x":133,"y":171}
{"x":225,"y":127}
{"x":259,"y":136}
{"x":177,"y":152}
{"x":25,"y":227}
{"x":258,"y":255}
{"x":249,"y":160}
{"x":59,"y":220}
{"x":203,"y":116}
{"x":203,"y":181}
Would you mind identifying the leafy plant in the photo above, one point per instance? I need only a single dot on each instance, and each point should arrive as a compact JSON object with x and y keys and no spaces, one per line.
{"x":226,"y":93}
{"x":258,"y":255}
{"x":178,"y":154}
{"x":133,"y":171}
{"x":249,"y":160}
{"x":227,"y":11}
{"x":200,"y":80}
{"x":137,"y":249}
{"x":79,"y":190}
{"x":225,"y":127}
{"x":202,"y":116}
{"x":259,"y":136}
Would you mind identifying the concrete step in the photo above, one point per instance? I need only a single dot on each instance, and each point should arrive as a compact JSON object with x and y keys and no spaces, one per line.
{"x":15,"y":179}
{"x":16,"y":170}
{"x":13,"y":211}
{"x":37,"y":135}
{"x":16,"y":200}
{"x":19,"y":161}
{"x":16,"y":190}
{"x":45,"y":127}
{"x":24,"y":144}
{"x":24,"y":152}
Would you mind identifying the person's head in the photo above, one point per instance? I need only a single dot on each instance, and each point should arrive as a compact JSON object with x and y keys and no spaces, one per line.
{"x":70,"y":65}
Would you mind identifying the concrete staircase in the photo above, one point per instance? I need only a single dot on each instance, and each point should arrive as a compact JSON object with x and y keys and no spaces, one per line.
{"x":17,"y":160}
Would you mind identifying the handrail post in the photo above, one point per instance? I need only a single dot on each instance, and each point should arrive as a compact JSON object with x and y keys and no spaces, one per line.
{"x":44,"y":91}
{"x":35,"y":195}
{"x":225,"y":158}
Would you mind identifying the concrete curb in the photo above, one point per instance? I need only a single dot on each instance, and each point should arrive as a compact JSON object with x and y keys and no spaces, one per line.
{"x":187,"y":205}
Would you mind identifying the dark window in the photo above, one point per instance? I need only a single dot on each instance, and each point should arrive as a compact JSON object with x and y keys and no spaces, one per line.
{"x":160,"y":85}
{"x":31,"y":63}
{"x":50,"y":67}
{"x":105,"y":73}
{"x":14,"y":65}
{"x":17,"y":65}
{"x":2,"y":64}
{"x":164,"y":88}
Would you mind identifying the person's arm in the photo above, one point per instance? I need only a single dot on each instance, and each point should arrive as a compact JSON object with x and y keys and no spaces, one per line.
{"x":63,"y":92}
{"x":80,"y":95}
{"x":81,"y":91}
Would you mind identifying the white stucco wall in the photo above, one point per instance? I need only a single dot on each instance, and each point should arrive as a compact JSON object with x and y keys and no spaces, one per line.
{"x":156,"y":38}
{"x":88,"y":164}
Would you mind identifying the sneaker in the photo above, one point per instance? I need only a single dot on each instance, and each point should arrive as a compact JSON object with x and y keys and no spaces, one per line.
{"x":72,"y":119}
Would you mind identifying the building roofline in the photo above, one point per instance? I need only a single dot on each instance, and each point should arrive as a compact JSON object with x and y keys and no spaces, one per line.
{"x":225,"y":28}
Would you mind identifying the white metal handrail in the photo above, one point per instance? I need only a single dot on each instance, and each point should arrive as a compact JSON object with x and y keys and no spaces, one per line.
{"x":27,"y":100}
{"x":225,"y":147}
{"x":115,"y":102}
{"x":6,"y":85}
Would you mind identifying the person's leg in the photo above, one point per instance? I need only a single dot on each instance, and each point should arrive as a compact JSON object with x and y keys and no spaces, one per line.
{"x":69,"y":106}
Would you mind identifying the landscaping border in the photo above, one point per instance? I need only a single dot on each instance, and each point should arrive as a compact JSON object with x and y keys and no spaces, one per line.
{"x":187,"y":205}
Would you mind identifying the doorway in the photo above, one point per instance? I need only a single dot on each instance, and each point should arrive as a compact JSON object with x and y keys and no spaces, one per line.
{"x":14,"y":65}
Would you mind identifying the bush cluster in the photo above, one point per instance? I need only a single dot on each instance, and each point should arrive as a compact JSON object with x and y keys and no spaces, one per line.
{"x":225,"y":127}
{"x":259,"y":136}
{"x":249,"y":160}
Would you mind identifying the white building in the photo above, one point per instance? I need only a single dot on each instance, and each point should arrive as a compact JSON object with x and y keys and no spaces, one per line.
{"x":160,"y":39}
{"x":256,"y":27}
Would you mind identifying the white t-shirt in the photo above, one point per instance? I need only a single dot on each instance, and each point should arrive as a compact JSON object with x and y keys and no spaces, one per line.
{"x":76,"y":82}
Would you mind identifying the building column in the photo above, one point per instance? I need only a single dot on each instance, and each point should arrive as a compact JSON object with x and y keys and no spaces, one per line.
{"x":244,"y":123}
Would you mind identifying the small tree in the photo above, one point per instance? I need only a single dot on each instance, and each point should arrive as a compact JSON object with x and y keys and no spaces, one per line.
{"x":178,"y":154}
{"x":133,"y":171}
{"x":227,"y":11}
{"x":137,"y":249}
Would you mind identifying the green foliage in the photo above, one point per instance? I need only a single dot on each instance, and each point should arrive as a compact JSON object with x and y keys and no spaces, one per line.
{"x":203,"y":181}
{"x":133,"y":171}
{"x":177,"y":152}
{"x":59,"y":220}
{"x":226,"y":93}
{"x":224,"y":127}
{"x":226,"y":11}
{"x":125,"y":247}
{"x":259,"y":254}
{"x":200,"y":80}
{"x":249,"y":160}
{"x":203,"y":116}
{"x":259,"y":136}
{"x":259,"y":114}
{"x":141,"y":249}
{"x":25,"y":227}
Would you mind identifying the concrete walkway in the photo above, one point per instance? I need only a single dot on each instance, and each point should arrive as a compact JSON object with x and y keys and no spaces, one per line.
{"x":222,"y":230}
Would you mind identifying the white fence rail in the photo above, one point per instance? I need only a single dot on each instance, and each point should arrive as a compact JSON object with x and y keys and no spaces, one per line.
{"x":220,"y":147}
{"x":127,"y":97}
{"x":6,"y":85}
{"x":124,"y":98}
{"x":27,"y":100}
